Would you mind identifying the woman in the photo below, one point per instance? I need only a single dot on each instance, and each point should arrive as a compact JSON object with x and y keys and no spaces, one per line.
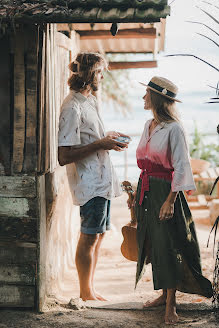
{"x":163,"y":216}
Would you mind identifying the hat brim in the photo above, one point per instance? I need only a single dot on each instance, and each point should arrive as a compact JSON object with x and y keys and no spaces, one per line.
{"x":162,"y":94}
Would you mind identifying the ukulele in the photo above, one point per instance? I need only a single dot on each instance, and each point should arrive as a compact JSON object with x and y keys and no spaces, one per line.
{"x":129,"y":248}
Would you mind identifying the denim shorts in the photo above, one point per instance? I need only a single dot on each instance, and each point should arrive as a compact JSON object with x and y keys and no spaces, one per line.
{"x":95,"y":216}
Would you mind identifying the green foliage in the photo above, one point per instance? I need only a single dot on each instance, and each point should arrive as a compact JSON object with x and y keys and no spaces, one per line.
{"x":200,"y":150}
{"x":115,"y":86}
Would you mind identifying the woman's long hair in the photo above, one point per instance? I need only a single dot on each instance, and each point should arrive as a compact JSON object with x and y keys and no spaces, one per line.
{"x":164,"y":109}
{"x":84,"y":71}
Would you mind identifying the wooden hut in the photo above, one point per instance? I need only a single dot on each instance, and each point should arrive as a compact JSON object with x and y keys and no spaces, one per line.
{"x":38,"y":38}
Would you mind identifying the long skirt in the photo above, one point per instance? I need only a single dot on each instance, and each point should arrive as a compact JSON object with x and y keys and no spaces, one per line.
{"x":173,"y":246}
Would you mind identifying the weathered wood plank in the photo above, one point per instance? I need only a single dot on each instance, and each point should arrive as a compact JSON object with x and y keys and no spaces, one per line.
{"x":212,"y":173}
{"x":31,"y":55}
{"x":202,"y":200}
{"x":18,"y":274}
{"x":137,"y":64}
{"x":63,"y":41}
{"x":17,"y":252}
{"x":23,"y":229}
{"x":18,"y":186}
{"x":19,"y":102}
{"x":46,"y":148}
{"x":18,"y":207}
{"x":53,"y":105}
{"x":148,"y":33}
{"x":17,"y":296}
{"x":41,"y":99}
{"x":42,"y":250}
{"x":204,"y":174}
{"x":5,"y":102}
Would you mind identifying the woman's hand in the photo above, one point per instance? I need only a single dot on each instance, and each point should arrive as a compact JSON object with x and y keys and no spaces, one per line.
{"x":166,"y":211}
{"x":114,"y":134}
{"x":131,"y":203}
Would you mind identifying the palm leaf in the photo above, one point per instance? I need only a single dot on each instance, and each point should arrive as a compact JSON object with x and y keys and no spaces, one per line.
{"x":209,"y":39}
{"x":210,"y":86}
{"x":209,"y":15}
{"x":189,"y":55}
{"x":212,"y":102}
{"x":211,"y":29}
{"x":211,"y":4}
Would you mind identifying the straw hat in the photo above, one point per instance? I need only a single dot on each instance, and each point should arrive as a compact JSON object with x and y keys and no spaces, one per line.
{"x":163,"y":86}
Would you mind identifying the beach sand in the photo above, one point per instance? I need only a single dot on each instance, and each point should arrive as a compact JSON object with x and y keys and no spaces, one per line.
{"x":115,"y":279}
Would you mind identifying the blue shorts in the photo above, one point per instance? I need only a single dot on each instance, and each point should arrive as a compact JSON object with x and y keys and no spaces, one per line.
{"x":95,"y":216}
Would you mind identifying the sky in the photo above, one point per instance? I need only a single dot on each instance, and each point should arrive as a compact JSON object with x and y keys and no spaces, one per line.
{"x":189,"y":74}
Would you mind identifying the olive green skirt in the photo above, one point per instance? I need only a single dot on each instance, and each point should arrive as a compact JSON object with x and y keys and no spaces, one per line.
{"x":174,"y":249}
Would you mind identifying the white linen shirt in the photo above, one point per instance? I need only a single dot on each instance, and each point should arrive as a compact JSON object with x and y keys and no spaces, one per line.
{"x":80,"y":124}
{"x":167,"y":145}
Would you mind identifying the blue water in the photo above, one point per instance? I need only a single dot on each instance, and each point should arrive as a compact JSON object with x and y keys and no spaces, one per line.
{"x":192,"y":110}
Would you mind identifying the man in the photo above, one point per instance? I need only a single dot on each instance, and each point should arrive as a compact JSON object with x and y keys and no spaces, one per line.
{"x":83,"y":141}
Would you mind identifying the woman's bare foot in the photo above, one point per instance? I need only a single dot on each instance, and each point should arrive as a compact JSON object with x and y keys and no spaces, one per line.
{"x":171,"y":317}
{"x":161,"y":300}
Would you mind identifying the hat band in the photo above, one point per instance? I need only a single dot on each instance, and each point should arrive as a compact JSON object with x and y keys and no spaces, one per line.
{"x":162,"y":90}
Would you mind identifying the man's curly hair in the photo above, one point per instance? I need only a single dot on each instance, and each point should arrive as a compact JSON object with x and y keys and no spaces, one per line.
{"x":84,"y":71}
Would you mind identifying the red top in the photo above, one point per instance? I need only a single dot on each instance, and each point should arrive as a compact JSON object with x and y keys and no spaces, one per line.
{"x":149,"y":168}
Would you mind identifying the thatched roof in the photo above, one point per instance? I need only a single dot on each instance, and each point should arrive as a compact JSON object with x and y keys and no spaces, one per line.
{"x":83,"y":11}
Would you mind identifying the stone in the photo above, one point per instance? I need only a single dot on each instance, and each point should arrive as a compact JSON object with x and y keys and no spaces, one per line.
{"x":76,"y":304}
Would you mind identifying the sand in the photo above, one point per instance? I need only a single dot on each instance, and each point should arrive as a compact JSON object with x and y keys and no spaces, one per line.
{"x":115,"y":278}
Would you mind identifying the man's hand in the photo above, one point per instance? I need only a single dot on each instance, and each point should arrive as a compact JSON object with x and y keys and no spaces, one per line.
{"x":115,"y":134}
{"x":109,"y":142}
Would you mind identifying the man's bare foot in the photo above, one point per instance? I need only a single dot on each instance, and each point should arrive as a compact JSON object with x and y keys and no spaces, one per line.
{"x":98,"y":296}
{"x":171,"y":316}
{"x":88,"y":297}
{"x":159,"y":301}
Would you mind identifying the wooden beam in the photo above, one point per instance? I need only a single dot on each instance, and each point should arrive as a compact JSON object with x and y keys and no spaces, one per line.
{"x":138,"y":64}
{"x":135,"y":33}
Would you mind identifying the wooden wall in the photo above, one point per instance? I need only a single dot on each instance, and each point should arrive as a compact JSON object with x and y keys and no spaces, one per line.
{"x":19,"y":205}
{"x":33,"y":77}
{"x":18,"y":240}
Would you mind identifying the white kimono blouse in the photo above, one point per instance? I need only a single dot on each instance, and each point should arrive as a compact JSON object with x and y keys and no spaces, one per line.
{"x":167,"y":146}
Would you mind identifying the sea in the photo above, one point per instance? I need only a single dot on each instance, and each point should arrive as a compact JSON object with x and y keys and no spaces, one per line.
{"x":194,"y":111}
